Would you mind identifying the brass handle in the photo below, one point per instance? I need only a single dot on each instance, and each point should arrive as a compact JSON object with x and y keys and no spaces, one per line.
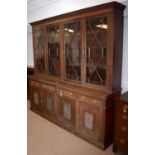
{"x":122,"y":141}
{"x":125,"y":109}
{"x":123,"y":128}
{"x":124,"y":117}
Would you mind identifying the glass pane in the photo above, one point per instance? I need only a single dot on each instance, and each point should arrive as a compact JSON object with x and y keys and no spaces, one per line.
{"x":96,"y":62}
{"x":53,"y":50}
{"x":67,"y":110}
{"x":36,"y":98}
{"x":73,"y":50}
{"x":49,"y":104}
{"x":88,"y":120}
{"x":39,"y":50}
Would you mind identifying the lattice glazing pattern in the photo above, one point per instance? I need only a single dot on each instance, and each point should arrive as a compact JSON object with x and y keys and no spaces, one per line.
{"x":96,"y":63}
{"x":73,"y":50}
{"x":53,"y":50}
{"x":39,"y":50}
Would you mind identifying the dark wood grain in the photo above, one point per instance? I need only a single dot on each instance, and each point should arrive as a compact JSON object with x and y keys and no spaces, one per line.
{"x":83,"y":108}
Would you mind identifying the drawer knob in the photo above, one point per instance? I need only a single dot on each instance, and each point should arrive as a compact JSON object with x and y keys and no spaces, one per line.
{"x":124,"y":117}
{"x":124,"y":110}
{"x":123,"y":128}
{"x":122,"y":141}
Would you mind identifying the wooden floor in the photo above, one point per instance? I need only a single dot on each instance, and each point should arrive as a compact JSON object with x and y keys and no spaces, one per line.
{"x":45,"y":138}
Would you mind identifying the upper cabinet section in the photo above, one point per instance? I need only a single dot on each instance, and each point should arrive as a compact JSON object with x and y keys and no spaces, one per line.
{"x":82,"y":47}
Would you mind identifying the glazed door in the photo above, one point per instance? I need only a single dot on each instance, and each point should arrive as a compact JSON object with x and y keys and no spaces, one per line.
{"x":39,"y":50}
{"x":72,"y":45}
{"x":97,"y":50}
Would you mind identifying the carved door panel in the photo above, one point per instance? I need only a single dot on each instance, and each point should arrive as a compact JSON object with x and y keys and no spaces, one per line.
{"x":49,"y":106}
{"x":88,"y":119}
{"x":36,"y":97}
{"x":66,"y":109}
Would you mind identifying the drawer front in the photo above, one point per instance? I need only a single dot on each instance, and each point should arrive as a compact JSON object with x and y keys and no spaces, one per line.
{"x":35,"y":84}
{"x":122,"y":108}
{"x":121,"y":142}
{"x":121,"y":130}
{"x":121,"y":113}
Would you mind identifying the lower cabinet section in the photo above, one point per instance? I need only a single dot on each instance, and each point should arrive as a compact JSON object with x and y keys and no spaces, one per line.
{"x":84,"y":116}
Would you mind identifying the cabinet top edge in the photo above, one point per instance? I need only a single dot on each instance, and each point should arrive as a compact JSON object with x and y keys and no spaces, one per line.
{"x":114,"y":5}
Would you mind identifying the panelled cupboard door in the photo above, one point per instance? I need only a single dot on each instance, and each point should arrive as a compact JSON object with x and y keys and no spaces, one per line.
{"x":88,"y":119}
{"x":67,"y":109}
{"x":36,"y":97}
{"x":49,"y":100}
{"x":39,"y":50}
